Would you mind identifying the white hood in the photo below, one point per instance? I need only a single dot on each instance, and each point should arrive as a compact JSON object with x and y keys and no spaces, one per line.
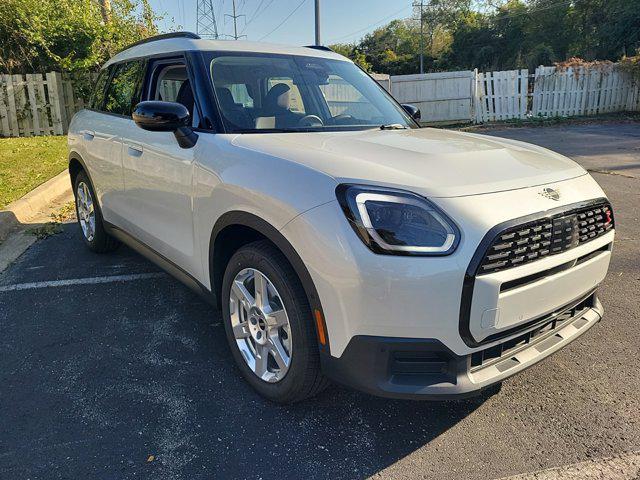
{"x":433,"y":162}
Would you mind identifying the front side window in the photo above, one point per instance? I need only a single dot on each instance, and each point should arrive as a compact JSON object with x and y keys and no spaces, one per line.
{"x":123,"y":93}
{"x":259,"y":93}
{"x":171,"y":83}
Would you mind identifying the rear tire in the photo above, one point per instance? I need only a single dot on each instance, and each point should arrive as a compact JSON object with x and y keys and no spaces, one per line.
{"x":90,"y":218}
{"x":294,"y":333}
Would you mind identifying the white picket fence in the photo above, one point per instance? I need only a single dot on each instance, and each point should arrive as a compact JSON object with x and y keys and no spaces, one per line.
{"x":571,"y":92}
{"x":36,"y":104}
{"x":501,"y":95}
{"x":493,"y":96}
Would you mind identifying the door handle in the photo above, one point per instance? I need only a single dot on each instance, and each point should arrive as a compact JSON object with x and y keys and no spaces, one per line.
{"x":88,"y":135}
{"x":134,"y":150}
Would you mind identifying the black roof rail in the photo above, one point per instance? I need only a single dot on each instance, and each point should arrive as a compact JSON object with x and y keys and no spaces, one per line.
{"x":163,"y":36}
{"x":319,"y":47}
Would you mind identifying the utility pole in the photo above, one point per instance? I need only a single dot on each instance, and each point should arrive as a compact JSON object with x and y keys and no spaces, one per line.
{"x":318,"y":41}
{"x":105,"y":9}
{"x":235,"y":22}
{"x":206,"y":25}
{"x":421,"y":5}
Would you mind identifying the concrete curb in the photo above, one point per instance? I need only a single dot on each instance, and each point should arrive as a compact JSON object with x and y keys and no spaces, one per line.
{"x":34,"y":203}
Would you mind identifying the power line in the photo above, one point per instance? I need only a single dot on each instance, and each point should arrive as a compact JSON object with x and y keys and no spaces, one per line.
{"x":284,"y":21}
{"x":373,"y":24}
{"x":220,"y":10}
{"x":255,"y":14}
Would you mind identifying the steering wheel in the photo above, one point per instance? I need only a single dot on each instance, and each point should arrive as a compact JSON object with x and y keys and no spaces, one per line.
{"x":342,"y":119}
{"x":311,"y":121}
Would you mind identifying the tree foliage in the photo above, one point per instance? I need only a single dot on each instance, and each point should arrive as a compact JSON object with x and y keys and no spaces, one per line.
{"x":511,"y":34}
{"x":68,"y":35}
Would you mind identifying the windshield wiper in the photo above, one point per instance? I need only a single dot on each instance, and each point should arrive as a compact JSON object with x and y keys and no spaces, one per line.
{"x":393,"y":126}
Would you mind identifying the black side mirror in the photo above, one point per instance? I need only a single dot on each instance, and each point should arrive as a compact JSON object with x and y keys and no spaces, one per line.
{"x":412,"y":110}
{"x":156,"y":116}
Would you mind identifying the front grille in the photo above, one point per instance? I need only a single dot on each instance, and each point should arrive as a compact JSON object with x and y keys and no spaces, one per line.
{"x":544,"y":328}
{"x":533,"y":240}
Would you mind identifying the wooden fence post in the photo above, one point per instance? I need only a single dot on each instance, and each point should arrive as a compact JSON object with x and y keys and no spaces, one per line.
{"x":11,"y":103}
{"x":474,"y":96}
{"x":33,"y":103}
{"x":5,"y":131}
{"x":22,"y":110}
{"x":46,"y":117}
{"x":56,"y":99}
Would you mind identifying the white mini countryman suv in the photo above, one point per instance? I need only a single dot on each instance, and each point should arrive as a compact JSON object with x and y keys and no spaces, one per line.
{"x":339,"y":239}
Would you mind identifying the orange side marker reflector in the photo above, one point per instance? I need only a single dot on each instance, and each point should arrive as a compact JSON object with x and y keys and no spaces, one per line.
{"x":322,"y":336}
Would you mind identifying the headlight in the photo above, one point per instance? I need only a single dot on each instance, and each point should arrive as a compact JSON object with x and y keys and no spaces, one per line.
{"x":397,"y":222}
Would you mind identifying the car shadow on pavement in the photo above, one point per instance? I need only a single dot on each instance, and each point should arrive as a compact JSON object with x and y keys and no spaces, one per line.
{"x":134,"y":379}
{"x":341,"y":433}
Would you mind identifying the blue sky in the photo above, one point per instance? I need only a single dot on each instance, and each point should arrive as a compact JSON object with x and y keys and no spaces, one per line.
{"x":342,"y":20}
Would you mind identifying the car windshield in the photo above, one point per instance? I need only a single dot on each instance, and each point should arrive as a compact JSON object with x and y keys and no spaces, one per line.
{"x":258,"y":93}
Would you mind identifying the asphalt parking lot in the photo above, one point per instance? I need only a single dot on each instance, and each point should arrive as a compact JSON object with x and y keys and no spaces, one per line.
{"x":106,"y":362}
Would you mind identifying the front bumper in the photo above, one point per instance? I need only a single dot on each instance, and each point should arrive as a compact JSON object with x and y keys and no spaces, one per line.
{"x":426,"y":369}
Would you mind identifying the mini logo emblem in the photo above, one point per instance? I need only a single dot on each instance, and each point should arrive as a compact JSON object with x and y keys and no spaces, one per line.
{"x":550,"y":193}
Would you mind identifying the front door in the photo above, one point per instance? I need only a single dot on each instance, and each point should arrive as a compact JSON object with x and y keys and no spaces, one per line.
{"x":158,"y":174}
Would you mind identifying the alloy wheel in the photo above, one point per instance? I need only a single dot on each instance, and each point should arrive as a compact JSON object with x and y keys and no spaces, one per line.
{"x":260,"y":325}
{"x":86,"y":211}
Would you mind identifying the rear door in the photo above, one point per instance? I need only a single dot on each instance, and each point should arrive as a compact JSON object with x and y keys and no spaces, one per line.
{"x":118,"y":89}
{"x":100,"y":154}
{"x":158,"y":173}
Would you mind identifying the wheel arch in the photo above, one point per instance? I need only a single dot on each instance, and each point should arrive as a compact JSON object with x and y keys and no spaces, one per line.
{"x":237,"y":228}
{"x":76,"y":165}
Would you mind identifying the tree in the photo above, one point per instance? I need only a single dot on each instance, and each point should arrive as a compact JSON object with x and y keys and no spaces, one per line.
{"x":606,"y":29}
{"x":506,"y":34}
{"x":68,"y":35}
{"x":352,"y":51}
{"x":438,"y":16}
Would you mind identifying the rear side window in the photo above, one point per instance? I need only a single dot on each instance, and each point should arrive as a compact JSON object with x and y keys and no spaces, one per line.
{"x":97,"y":98}
{"x":124,"y":90}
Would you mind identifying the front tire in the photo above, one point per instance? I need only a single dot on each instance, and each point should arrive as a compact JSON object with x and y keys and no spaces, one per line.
{"x":89,"y":217}
{"x":269,"y":326}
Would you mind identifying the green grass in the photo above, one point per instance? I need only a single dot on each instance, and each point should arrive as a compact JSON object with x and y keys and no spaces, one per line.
{"x":26,"y":163}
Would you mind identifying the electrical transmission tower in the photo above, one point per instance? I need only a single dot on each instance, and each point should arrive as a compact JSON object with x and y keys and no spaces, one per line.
{"x":235,"y":17}
{"x":206,"y":25}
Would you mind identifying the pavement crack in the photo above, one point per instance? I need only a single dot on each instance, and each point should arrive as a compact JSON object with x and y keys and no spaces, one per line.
{"x":609,"y":172}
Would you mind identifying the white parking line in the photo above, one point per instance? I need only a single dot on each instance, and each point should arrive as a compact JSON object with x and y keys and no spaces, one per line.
{"x":81,"y":281}
{"x":620,"y":467}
